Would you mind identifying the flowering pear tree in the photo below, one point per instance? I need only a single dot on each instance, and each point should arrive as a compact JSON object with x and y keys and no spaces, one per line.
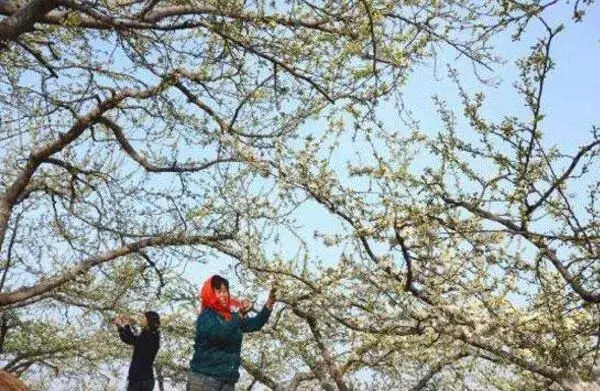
{"x":477,"y":270}
{"x":138,"y":137}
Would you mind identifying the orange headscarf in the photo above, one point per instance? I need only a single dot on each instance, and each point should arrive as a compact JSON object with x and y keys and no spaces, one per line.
{"x":210,"y":300}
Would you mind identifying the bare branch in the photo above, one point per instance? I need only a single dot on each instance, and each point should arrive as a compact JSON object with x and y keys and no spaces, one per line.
{"x":128,"y":148}
{"x":85,"y":265}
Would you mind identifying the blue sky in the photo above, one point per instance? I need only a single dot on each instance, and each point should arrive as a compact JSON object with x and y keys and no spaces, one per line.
{"x":571,"y":95}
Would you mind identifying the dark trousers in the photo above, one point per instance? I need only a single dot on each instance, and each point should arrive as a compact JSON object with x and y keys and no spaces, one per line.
{"x":140,"y":385}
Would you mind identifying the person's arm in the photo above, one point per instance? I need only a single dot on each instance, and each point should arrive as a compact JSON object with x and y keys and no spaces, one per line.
{"x":126,"y":334}
{"x":257,"y":322}
{"x":213,"y":329}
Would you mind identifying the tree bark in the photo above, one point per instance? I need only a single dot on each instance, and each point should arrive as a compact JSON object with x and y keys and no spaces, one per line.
{"x":23,"y":19}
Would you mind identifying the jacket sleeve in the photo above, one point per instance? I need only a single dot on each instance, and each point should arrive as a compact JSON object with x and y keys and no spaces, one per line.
{"x":256,"y":322}
{"x":127,"y":335}
{"x":214,"y":329}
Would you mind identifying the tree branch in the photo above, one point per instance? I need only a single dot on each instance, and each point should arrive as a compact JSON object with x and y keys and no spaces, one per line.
{"x":573,"y":281}
{"x":332,"y":368}
{"x":85,"y":265}
{"x":128,"y":148}
{"x":435,"y":369}
{"x":559,"y":181}
{"x":39,"y":155}
{"x":23,"y":19}
{"x":256,"y":373}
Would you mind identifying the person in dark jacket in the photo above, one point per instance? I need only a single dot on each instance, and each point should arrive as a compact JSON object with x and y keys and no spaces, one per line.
{"x":145,"y":346}
{"x":217,"y":348}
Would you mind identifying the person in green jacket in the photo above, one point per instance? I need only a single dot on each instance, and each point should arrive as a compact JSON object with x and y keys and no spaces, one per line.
{"x":219,"y":333}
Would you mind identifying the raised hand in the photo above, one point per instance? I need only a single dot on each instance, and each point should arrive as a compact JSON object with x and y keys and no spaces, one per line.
{"x":246,"y":306}
{"x":121,"y":320}
{"x":117,"y":321}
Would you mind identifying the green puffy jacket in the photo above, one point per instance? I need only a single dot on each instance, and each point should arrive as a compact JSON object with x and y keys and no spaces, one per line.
{"x":219,"y":342}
